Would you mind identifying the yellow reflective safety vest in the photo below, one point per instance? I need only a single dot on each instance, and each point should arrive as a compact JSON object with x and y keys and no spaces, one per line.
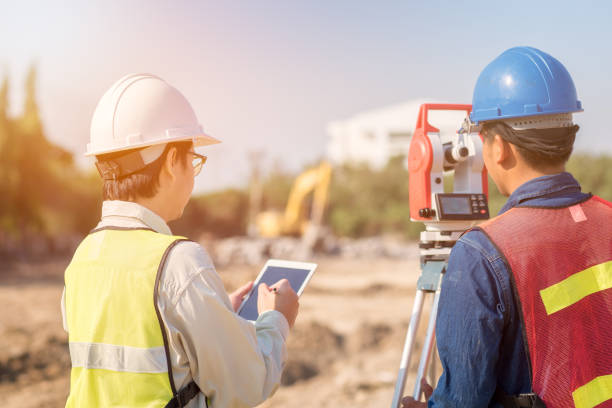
{"x":117,"y":339}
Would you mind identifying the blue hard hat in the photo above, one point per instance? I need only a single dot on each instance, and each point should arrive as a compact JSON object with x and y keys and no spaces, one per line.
{"x":523,"y":81}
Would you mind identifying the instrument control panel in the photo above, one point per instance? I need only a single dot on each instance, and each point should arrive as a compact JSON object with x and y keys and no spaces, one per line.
{"x":455,"y":206}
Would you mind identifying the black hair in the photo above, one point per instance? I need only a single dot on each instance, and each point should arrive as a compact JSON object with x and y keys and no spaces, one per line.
{"x":143,"y":183}
{"x":541,"y":148}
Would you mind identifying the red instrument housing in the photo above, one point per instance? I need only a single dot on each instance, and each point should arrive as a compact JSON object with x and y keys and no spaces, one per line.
{"x":420,"y":159}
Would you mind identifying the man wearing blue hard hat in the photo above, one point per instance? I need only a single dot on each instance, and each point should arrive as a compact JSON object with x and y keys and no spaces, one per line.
{"x":526,"y":301}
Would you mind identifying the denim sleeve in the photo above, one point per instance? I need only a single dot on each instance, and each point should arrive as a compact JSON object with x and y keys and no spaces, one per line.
{"x":470,"y":325}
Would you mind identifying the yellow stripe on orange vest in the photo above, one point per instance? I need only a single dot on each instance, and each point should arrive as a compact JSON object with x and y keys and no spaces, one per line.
{"x":576,"y":287}
{"x":594,"y":392}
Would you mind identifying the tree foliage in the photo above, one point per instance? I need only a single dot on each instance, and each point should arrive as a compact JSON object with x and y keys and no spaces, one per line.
{"x":594,"y":172}
{"x":220,"y":214}
{"x":43,"y":193}
{"x":364,"y":202}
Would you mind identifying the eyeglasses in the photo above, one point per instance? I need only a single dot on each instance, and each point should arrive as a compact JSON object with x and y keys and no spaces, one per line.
{"x":197,"y":162}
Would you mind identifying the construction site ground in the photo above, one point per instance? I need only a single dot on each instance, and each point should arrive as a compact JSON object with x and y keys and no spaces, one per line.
{"x":344,"y":350}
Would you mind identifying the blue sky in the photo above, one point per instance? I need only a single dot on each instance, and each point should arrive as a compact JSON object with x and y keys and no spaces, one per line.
{"x":269,"y":75}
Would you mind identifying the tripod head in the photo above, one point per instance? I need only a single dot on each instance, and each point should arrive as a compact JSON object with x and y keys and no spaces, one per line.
{"x":431,"y":156}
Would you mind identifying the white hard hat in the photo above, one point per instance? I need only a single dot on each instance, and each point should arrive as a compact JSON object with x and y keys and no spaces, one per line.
{"x":142,"y":110}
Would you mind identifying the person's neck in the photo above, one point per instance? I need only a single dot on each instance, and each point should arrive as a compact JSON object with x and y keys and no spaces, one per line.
{"x":156,"y":204}
{"x":523,"y":174}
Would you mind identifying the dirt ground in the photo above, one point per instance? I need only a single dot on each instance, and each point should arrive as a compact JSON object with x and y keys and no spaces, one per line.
{"x":344,"y":350}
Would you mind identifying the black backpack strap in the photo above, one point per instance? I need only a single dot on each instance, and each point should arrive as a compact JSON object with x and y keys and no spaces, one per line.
{"x":185,"y":395}
{"x":530,"y":400}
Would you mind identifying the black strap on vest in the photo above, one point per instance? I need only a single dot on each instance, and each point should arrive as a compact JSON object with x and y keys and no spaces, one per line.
{"x":182,"y":397}
{"x":530,"y":400}
{"x":185,"y":395}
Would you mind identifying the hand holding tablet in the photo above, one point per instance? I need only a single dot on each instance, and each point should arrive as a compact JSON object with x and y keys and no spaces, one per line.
{"x":285,"y":277}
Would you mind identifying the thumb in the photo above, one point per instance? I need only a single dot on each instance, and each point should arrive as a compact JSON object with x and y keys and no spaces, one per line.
{"x":244,"y":289}
{"x":426,"y":388}
{"x":407,"y":402}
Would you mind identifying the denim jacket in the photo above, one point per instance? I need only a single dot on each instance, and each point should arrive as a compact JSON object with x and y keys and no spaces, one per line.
{"x":478,"y":328}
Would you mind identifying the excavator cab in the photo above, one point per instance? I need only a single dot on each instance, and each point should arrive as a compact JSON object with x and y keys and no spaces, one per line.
{"x":295,"y":221}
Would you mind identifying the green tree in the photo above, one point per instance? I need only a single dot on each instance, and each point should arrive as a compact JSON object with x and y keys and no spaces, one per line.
{"x":219,"y":214}
{"x":593,"y":172}
{"x":43,"y":193}
{"x":365,"y":202}
{"x":7,"y":173}
{"x":48,"y":169}
{"x":276,"y":188}
{"x":28,"y":144}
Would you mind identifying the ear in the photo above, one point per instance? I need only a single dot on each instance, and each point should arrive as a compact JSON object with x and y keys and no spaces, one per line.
{"x":171,"y":163}
{"x":502,"y":150}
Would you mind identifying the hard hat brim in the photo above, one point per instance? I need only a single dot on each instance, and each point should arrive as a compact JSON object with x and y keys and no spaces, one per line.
{"x":172,"y":135}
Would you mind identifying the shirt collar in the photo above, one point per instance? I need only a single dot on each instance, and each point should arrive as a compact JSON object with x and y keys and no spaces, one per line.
{"x":128,"y":209}
{"x":541,"y":186}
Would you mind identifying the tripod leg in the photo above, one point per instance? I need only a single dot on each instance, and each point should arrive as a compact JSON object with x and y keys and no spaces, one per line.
{"x":427,"y":346}
{"x":417,"y":308}
{"x":432,"y":376}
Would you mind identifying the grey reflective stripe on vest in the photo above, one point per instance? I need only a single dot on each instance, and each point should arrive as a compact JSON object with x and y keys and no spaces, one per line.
{"x":118,"y":358}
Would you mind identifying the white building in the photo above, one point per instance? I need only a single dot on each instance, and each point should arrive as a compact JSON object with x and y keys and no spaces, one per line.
{"x":375,"y":136}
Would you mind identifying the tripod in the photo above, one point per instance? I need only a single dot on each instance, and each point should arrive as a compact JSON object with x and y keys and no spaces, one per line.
{"x":435,"y":248}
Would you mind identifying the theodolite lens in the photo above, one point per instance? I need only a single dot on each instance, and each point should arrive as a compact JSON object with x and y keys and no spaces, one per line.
{"x":454,"y":154}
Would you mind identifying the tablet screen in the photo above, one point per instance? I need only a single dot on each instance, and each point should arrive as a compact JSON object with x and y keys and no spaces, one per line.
{"x":271,"y":275}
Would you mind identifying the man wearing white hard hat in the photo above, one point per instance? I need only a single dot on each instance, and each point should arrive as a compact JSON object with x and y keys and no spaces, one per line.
{"x":148,"y":318}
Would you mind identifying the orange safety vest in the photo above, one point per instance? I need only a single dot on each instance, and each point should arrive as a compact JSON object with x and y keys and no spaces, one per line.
{"x":561,"y":263}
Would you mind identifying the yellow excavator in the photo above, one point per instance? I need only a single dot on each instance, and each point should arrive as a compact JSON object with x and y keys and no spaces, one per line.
{"x":294,"y":221}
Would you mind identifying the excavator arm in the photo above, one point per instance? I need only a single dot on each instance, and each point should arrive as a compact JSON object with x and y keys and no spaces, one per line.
{"x":316,"y":180}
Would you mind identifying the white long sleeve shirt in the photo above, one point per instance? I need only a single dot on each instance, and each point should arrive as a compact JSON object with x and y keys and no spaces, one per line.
{"x":235,"y":363}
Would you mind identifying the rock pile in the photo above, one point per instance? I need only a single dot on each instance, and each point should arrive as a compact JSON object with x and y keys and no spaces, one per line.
{"x":255,"y":251}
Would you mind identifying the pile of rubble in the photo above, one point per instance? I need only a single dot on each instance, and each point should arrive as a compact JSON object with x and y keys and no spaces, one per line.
{"x":35,"y":246}
{"x":377,"y":247}
{"x":255,"y":251}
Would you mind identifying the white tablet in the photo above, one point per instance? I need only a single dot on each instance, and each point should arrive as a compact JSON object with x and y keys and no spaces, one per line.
{"x":297,"y":273}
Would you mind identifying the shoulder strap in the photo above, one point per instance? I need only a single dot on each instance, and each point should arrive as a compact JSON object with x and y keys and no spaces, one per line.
{"x":185,"y":395}
{"x":530,"y":400}
{"x":182,"y":397}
